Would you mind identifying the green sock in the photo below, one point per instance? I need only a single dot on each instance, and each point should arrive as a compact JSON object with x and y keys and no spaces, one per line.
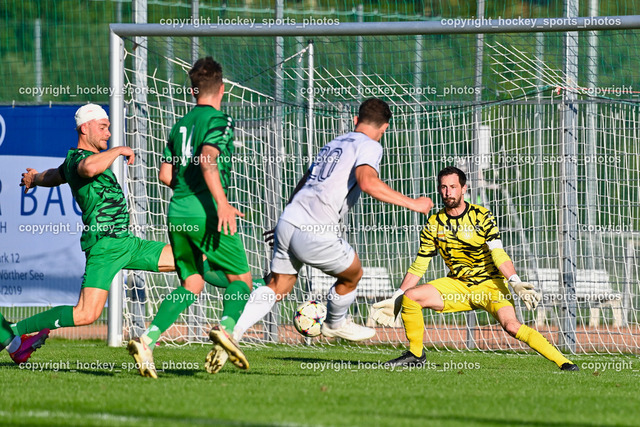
{"x":216,"y":278}
{"x":54,"y":318}
{"x":235,"y":298}
{"x":6,"y":334}
{"x":174,"y":304}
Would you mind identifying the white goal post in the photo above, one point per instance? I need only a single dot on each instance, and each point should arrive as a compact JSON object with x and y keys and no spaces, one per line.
{"x":551,"y":153}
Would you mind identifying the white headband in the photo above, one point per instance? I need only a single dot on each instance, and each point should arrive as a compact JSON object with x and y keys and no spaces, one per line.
{"x":89,"y":112}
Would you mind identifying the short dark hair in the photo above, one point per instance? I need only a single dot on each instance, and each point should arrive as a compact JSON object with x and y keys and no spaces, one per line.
{"x":206,"y":77}
{"x":452,"y":170}
{"x":374,"y":111}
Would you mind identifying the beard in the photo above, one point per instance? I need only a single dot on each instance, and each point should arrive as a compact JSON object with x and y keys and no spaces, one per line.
{"x":451,"y":203}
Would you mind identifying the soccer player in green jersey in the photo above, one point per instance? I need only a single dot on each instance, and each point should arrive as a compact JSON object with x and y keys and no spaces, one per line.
{"x":106,"y":240}
{"x":197,"y":166}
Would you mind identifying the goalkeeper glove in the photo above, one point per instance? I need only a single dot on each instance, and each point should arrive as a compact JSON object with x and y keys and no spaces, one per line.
{"x":525,"y":291}
{"x":386,"y":311}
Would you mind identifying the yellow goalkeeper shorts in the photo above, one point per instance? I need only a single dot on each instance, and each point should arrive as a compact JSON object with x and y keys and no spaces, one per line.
{"x":490,"y":295}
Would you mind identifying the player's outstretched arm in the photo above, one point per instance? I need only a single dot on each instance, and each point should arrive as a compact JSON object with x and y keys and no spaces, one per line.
{"x":49,"y":178}
{"x":97,"y":163}
{"x":371,"y":184}
{"x":226,"y":212}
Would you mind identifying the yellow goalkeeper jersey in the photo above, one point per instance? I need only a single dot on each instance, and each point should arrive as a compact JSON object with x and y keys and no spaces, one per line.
{"x":462,"y":243}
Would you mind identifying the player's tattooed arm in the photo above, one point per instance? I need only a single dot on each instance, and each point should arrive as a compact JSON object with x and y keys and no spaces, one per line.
{"x":97,"y":163}
{"x":49,"y":178}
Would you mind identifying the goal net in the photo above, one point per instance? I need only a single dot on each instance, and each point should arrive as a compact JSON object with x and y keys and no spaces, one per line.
{"x":556,"y":160}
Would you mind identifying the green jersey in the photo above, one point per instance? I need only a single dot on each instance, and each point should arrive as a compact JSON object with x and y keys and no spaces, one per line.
{"x":203,"y":125}
{"x":104,"y":209}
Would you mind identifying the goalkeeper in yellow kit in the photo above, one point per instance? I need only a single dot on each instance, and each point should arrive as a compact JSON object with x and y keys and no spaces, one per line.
{"x":468,"y":239}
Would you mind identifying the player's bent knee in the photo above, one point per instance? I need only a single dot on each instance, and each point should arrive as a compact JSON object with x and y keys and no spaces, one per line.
{"x":282,"y":284}
{"x":412,"y":294}
{"x":359,"y":275}
{"x":349,"y":285}
{"x":512,"y":327}
{"x":350,"y":281}
{"x":416,"y":297}
{"x":245,"y":277}
{"x":281,"y":289}
{"x":427,"y":296}
{"x":85,"y":317}
{"x":194,"y":284}
{"x":194,"y":289}
{"x":281,"y":294}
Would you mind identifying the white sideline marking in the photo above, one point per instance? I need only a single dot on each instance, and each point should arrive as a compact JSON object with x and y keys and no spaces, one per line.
{"x":60,"y":414}
{"x":126,"y":418}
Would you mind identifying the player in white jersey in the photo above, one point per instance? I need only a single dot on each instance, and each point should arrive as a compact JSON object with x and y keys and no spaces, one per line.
{"x":307,"y":231}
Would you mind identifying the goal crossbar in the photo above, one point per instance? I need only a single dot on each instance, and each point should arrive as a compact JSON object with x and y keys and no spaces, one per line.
{"x":442,"y":26}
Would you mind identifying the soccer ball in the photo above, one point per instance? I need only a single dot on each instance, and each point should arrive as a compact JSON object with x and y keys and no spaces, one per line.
{"x":309,"y":317}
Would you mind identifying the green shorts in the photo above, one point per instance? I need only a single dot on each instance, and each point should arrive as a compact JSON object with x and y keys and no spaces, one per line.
{"x":110,"y":255}
{"x":193,"y":232}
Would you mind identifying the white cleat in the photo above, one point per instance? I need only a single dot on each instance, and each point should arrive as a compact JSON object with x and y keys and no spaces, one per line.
{"x":143,"y":357}
{"x":216,"y":359}
{"x":349,"y":331}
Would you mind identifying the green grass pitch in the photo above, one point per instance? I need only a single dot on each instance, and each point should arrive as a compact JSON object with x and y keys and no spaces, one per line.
{"x":88,"y":383}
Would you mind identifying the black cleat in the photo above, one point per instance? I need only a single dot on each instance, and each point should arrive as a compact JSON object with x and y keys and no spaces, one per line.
{"x":407,"y":359}
{"x":569,"y":367}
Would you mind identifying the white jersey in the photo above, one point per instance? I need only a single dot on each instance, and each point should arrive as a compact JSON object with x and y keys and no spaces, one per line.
{"x":331,"y":188}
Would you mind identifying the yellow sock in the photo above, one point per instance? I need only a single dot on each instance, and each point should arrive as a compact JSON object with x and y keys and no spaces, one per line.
{"x":413,"y":325}
{"x":540,"y":344}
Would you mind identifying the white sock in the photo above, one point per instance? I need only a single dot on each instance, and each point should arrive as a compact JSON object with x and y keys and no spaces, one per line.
{"x":14,"y":344}
{"x":338,"y":307}
{"x":260,"y":303}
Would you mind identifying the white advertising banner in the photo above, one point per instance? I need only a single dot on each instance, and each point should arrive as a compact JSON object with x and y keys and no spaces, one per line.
{"x":41,"y":263}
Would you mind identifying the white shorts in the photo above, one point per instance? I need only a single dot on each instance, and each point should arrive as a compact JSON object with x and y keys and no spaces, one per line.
{"x":294,"y":247}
